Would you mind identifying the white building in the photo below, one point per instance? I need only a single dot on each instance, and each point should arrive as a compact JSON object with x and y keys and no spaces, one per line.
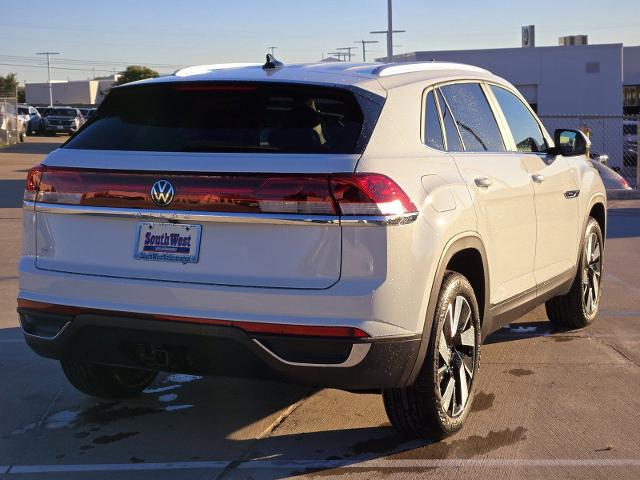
{"x":74,"y":93}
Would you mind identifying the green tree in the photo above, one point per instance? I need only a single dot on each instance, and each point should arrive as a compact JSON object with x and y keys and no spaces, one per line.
{"x":9,"y":84}
{"x":136,"y":72}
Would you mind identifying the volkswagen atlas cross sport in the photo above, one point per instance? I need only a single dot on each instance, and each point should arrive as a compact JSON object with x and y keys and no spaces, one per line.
{"x":357,"y":226}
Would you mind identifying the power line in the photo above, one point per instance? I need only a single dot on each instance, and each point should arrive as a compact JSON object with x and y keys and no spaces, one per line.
{"x":74,"y":61}
{"x":53,"y":68}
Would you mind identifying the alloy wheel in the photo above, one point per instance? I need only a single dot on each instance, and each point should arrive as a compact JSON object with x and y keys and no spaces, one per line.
{"x":591,"y":274}
{"x":456,"y":355}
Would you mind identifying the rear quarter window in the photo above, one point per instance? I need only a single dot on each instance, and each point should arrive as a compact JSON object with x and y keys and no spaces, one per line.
{"x":231,"y":117}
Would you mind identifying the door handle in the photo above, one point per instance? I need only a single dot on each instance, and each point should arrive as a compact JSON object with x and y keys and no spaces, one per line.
{"x":536,"y":177}
{"x":483,"y":182}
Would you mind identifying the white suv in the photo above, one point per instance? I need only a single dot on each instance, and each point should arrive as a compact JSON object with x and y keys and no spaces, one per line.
{"x":358,"y":226}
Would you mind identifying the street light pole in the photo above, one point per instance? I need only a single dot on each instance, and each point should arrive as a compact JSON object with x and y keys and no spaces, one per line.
{"x":48,"y":54}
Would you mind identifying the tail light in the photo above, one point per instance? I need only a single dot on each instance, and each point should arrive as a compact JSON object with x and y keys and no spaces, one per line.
{"x":346,"y":194}
{"x":624,"y":184}
{"x":369,"y":194}
{"x":33,"y":183}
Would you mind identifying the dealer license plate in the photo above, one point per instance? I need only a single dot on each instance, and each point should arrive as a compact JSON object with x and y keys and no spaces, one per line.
{"x":168,"y":242}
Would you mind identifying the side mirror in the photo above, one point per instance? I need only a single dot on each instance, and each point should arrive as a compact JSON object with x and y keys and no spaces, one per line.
{"x":570,"y":143}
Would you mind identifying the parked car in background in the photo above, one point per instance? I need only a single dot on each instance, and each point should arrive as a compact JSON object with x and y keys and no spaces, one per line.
{"x":612,"y":180}
{"x":11,"y":124}
{"x":62,"y":120}
{"x":87,"y":112}
{"x":31,"y":118}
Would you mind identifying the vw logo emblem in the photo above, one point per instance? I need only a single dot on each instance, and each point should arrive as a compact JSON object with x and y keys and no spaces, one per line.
{"x":162,"y":193}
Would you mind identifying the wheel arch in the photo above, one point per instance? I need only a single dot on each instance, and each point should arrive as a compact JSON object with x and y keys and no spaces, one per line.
{"x":464,"y":254}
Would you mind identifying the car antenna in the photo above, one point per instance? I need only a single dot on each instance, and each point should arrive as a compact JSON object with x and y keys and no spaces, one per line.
{"x":272,"y":62}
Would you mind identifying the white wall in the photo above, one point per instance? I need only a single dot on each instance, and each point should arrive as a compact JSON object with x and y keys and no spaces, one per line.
{"x":82,"y":92}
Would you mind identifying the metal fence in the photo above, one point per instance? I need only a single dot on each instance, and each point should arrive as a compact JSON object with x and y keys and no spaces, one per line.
{"x":8,"y":121}
{"x":613,"y":135}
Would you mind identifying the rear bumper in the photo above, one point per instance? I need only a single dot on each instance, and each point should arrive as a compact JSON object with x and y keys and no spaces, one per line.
{"x":181,"y":346}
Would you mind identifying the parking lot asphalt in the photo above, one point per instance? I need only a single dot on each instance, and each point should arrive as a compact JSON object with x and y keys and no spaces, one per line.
{"x":550,"y":404}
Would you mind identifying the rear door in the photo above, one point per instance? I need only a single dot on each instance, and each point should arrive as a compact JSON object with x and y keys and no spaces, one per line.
{"x":555,"y":189}
{"x":499,"y":184}
{"x":204,"y":183}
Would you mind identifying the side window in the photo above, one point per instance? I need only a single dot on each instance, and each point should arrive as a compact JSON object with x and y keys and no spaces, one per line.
{"x":524,"y":127}
{"x":432,"y":128}
{"x":473,"y":115}
{"x":451,"y":131}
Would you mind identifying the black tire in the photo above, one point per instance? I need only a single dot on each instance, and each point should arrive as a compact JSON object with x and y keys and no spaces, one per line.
{"x":419,"y":410}
{"x":579,"y":307}
{"x":105,"y":381}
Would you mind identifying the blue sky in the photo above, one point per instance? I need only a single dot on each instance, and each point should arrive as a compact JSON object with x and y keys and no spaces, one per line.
{"x":185,"y":32}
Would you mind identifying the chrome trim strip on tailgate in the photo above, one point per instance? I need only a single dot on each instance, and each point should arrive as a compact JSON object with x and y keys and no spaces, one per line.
{"x":221,"y":217}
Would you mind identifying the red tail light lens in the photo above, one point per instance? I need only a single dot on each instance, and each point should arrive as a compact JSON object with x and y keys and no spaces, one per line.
{"x":313,"y":194}
{"x":33,"y":183}
{"x":369,"y":194}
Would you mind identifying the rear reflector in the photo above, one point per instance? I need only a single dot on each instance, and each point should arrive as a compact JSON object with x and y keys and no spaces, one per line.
{"x":309,"y":194}
{"x":249,"y":327}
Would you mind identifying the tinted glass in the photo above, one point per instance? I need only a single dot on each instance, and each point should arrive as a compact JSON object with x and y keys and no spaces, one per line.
{"x":432,"y":129}
{"x":61,"y":112}
{"x":217,"y":117}
{"x":451,"y":131}
{"x":474,"y":117}
{"x":524,"y":128}
{"x":23,"y":110}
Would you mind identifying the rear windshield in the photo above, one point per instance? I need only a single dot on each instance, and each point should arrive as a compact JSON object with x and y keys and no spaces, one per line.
{"x":216,"y":117}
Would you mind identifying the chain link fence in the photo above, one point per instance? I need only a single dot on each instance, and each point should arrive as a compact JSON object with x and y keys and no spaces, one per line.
{"x":613,"y":135}
{"x":8,"y":120}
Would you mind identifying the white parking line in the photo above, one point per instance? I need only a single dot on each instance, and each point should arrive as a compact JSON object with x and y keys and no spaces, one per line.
{"x":330,"y":464}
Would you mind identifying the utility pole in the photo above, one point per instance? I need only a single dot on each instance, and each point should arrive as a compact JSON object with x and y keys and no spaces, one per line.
{"x":364,"y":44}
{"x":272,"y":50}
{"x":48,"y":54}
{"x":340,"y":55}
{"x":348,"y":49}
{"x":389,"y":31}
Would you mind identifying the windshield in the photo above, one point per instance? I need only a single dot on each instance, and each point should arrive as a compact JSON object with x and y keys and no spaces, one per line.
{"x":61,"y":112}
{"x":23,"y":111}
{"x":229,"y":117}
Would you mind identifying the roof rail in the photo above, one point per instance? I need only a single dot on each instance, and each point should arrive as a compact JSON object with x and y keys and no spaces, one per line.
{"x":400,"y":68}
{"x":199,"y":69}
